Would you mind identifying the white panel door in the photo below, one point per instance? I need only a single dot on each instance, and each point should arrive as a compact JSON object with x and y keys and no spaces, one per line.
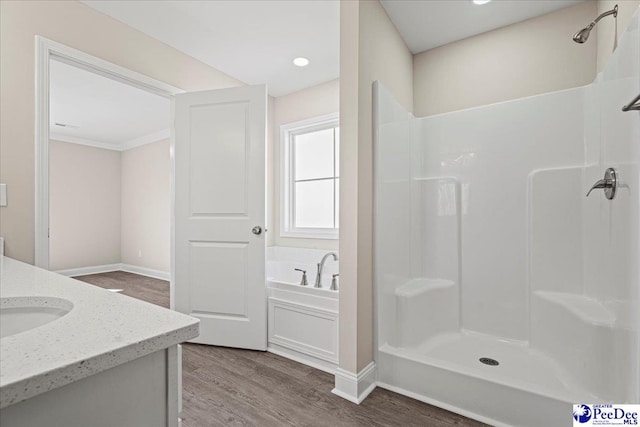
{"x":219,"y":149}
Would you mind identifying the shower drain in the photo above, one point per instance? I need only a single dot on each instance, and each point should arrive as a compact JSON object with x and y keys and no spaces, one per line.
{"x":489,"y":361}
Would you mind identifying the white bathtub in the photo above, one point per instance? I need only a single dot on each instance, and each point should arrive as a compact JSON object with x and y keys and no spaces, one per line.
{"x":303,"y":320}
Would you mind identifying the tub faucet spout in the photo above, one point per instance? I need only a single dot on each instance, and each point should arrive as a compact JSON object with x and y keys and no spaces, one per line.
{"x":321,"y":266}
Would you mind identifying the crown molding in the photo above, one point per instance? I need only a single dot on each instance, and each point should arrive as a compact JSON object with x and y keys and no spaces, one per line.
{"x":146,"y":139}
{"x":122,"y":146}
{"x":84,"y":141}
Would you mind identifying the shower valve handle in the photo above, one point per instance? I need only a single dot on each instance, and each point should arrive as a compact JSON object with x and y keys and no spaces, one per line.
{"x":609,"y":183}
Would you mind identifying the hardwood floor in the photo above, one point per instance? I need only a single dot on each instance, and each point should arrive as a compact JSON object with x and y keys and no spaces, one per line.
{"x":145,"y":288}
{"x":232,"y":387}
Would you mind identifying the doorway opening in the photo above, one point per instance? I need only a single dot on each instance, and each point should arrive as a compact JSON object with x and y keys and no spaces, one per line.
{"x":109,"y":176}
{"x":64,"y":74}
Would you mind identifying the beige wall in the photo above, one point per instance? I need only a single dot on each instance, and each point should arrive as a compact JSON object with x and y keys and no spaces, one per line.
{"x":370,"y":49}
{"x":109,"y":207}
{"x":76,"y":25}
{"x":610,"y":30}
{"x":311,"y":102}
{"x":523,"y":59}
{"x":84,"y":206}
{"x":146,"y":206}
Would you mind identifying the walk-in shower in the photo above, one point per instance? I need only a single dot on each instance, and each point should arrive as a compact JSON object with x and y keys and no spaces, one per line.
{"x":501,"y":291}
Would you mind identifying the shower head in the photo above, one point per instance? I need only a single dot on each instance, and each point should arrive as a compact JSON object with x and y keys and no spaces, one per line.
{"x":582,"y":35}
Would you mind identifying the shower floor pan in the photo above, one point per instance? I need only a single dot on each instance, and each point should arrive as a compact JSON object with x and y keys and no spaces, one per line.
{"x":526,"y":388}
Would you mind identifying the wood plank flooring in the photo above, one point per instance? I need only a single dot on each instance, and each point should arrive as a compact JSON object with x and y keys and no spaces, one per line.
{"x":145,"y":288}
{"x":232,"y":387}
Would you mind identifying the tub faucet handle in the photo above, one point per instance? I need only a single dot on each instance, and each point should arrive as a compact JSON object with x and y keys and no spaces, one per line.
{"x":334,"y":282}
{"x":303,"y":280}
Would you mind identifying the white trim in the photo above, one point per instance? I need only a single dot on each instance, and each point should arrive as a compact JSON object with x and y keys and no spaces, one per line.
{"x":107,"y":69}
{"x":355,"y":387}
{"x":116,"y":146}
{"x":83,"y":141}
{"x":305,"y":359}
{"x":106,"y":268}
{"x":311,"y":233}
{"x":45,"y":50}
{"x":41,"y":229}
{"x":313,"y":121}
{"x":146,"y":139}
{"x":286,"y":186}
{"x":172,"y":213}
{"x":143,"y":271}
{"x":95,"y":269}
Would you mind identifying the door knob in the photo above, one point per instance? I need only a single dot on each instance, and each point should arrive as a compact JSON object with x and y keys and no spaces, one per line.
{"x":257,"y":230}
{"x":609,"y":183}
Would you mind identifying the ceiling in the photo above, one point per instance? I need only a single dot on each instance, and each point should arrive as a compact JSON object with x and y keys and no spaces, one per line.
{"x":431,"y":23}
{"x":102,"y":112}
{"x":253,"y":41}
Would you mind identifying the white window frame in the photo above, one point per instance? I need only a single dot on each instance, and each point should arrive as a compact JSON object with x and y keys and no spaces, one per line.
{"x":287,"y":212}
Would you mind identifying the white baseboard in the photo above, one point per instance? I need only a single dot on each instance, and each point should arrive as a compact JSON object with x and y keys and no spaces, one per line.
{"x":355,"y":387}
{"x":143,"y":271}
{"x":305,"y":359}
{"x":96,"y":269}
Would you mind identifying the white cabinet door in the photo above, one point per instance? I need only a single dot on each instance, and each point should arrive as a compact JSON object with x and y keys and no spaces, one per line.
{"x":219,"y":149}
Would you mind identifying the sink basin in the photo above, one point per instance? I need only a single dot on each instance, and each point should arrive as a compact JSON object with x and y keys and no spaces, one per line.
{"x":20,"y":314}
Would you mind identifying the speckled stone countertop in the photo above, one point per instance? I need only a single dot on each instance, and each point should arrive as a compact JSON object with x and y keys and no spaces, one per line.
{"x":103,"y":329}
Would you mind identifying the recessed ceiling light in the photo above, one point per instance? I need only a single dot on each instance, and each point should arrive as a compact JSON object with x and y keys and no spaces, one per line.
{"x":481,"y":1}
{"x":301,"y":62}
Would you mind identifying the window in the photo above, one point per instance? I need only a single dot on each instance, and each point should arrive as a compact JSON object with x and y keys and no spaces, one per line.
{"x":310,"y":178}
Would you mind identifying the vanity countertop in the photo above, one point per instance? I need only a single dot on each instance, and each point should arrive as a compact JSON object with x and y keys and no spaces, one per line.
{"x":104,"y":329}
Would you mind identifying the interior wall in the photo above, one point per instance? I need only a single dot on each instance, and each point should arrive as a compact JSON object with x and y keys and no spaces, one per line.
{"x":119,"y":199}
{"x":370,"y":49}
{"x":524,"y":59}
{"x":76,"y":25}
{"x":84,"y":210}
{"x":610,"y":30}
{"x":146,"y":207}
{"x":311,"y":102}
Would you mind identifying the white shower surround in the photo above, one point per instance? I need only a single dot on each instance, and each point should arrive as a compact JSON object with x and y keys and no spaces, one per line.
{"x":485,"y":246}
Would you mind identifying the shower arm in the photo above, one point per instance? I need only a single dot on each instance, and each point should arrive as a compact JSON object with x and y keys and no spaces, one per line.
{"x":613,"y":12}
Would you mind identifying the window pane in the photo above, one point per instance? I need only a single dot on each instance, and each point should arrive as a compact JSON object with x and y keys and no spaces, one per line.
{"x":337,"y":159}
{"x":314,"y":204}
{"x":314,"y":155}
